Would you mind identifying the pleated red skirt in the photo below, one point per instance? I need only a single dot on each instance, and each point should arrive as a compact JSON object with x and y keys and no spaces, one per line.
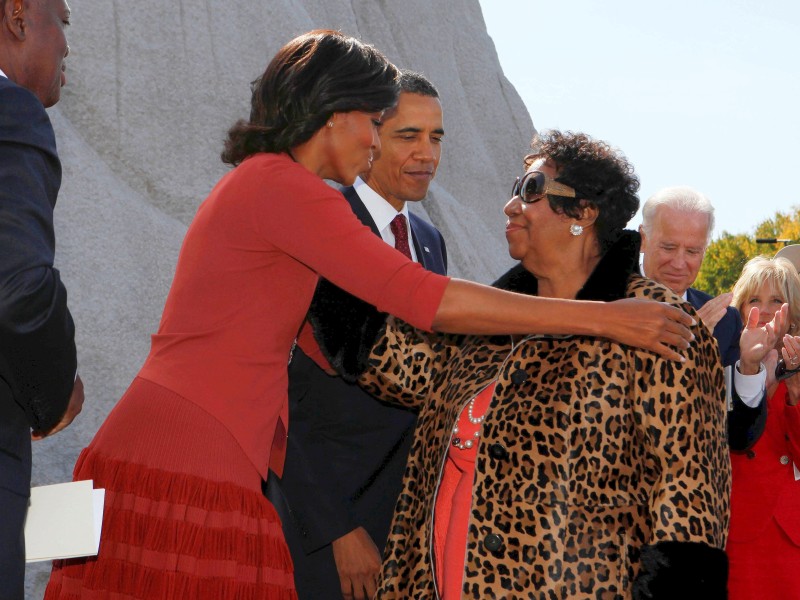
{"x":184,"y":514}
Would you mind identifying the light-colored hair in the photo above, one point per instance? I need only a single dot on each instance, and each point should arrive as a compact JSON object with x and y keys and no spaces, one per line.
{"x":780,"y":272}
{"x":681,"y":198}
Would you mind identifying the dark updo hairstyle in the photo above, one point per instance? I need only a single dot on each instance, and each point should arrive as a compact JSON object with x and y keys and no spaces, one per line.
{"x":313,"y":76}
{"x":601,"y":176}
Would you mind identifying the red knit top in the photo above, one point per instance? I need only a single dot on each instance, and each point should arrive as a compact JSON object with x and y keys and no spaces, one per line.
{"x":454,"y":499}
{"x":243,"y":283}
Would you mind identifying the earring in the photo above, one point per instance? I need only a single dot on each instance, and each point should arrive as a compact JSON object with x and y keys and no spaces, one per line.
{"x":576,"y":229}
{"x":330,"y":123}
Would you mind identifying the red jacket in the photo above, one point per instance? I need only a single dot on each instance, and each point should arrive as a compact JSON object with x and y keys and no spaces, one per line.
{"x":764,"y":486}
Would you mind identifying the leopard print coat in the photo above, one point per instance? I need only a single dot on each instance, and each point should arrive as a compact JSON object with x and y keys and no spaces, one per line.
{"x":602,"y":470}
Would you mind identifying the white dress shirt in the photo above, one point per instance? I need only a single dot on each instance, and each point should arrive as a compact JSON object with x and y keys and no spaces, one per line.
{"x":383,"y":213}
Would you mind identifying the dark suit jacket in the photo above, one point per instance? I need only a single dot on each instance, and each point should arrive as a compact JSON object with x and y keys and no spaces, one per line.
{"x":727,"y":330}
{"x":37,"y":348}
{"x":745,"y":424}
{"x":346,"y":451}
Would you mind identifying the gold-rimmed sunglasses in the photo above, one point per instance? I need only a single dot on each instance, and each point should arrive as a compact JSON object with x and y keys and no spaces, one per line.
{"x":533,"y":186}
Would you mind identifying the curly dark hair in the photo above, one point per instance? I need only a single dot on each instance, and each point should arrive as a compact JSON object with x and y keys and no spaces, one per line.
{"x":313,"y":76}
{"x":601,"y":176}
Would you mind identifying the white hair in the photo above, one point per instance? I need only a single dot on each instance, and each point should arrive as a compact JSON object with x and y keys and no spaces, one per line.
{"x":681,"y":198}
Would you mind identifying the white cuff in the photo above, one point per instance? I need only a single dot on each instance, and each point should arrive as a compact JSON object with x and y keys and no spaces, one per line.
{"x":750,"y":388}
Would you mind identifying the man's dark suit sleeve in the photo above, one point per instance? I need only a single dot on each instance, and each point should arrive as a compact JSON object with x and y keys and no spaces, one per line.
{"x":320,"y":514}
{"x":733,"y":322}
{"x":745,"y":424}
{"x":37,"y":348}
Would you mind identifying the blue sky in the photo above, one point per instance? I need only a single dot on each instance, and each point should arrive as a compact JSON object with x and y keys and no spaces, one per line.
{"x":703,"y":93}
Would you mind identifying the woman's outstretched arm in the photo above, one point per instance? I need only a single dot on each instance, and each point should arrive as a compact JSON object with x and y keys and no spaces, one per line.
{"x":339,"y":248}
{"x":468,"y":307}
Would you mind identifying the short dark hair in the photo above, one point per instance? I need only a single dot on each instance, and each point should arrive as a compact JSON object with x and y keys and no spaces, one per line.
{"x":600,"y":175}
{"x":416,"y":83}
{"x":313,"y":76}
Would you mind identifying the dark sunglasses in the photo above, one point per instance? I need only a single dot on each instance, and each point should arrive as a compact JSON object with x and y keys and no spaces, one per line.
{"x":533,"y":186}
{"x":781,"y":372}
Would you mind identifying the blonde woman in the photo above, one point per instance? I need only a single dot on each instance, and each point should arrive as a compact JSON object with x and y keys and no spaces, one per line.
{"x":764,"y":540}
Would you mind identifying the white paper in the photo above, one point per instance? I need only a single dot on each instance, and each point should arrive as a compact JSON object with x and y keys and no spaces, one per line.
{"x":64,"y":521}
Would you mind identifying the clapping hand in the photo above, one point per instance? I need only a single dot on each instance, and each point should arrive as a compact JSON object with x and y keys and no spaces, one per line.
{"x":756,"y":345}
{"x":712,"y":311}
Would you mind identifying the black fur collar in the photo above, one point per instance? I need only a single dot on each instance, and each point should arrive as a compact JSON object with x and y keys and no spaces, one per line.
{"x":607,"y":282}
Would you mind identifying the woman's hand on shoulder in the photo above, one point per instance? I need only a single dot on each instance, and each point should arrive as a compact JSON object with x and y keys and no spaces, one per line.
{"x":655,"y":326}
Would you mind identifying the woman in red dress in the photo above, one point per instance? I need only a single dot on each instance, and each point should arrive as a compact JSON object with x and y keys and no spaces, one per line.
{"x":183,"y":453}
{"x":764,"y":540}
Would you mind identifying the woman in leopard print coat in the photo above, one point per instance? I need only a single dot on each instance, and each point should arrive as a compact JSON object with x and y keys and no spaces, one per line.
{"x":601,"y":471}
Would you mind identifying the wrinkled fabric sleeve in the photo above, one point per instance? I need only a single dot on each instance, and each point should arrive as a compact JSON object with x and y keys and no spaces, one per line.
{"x":405,"y":362}
{"x":731,"y":354}
{"x":745,"y":423}
{"x":337,"y":246}
{"x":37,"y":347}
{"x":309,"y":487}
{"x":681,"y":414}
{"x":387,"y":357}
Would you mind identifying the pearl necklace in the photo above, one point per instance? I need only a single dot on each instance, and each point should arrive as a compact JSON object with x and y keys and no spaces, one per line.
{"x":468,"y":443}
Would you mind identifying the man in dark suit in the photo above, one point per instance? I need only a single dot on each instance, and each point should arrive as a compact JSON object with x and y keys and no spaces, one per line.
{"x":39,"y":389}
{"x":676,"y":228}
{"x":347,"y":451}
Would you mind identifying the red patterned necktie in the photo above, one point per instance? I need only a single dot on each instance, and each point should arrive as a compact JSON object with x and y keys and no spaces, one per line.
{"x":400,"y":232}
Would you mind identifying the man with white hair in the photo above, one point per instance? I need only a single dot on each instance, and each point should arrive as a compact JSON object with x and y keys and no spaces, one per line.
{"x":677,"y":223}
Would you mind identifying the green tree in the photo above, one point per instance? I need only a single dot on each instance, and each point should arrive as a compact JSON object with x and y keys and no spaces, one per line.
{"x":723,"y":262}
{"x":727,"y":254}
{"x":782,"y":226}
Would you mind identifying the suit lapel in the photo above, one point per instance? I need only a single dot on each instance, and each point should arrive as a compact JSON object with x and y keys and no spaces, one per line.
{"x":422,"y":256}
{"x":359,"y":209}
{"x":426,"y":247}
{"x":693,"y":299}
{"x":421,"y":244}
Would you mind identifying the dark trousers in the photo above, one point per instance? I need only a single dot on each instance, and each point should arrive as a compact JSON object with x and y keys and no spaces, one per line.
{"x":12,"y":545}
{"x":15,"y":488}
